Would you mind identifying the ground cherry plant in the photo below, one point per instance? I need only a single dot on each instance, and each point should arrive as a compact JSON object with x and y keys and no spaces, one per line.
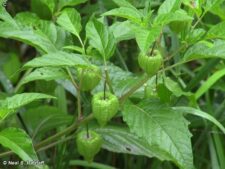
{"x":106,"y":84}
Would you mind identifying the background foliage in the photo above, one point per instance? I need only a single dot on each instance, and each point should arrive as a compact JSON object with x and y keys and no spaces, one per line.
{"x":174,"y":119}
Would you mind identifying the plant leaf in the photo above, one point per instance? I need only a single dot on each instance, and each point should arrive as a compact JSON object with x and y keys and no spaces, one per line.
{"x":122,"y":31}
{"x":196,"y":112}
{"x":120,"y":140}
{"x":10,"y":104}
{"x":101,"y":38}
{"x":58,"y":59}
{"x":123,"y":3}
{"x":32,"y":37}
{"x":169,"y":6}
{"x":146,"y":37}
{"x":206,"y":50}
{"x":64,"y":3}
{"x":45,"y":73}
{"x":178,"y":15}
{"x":70,"y":20}
{"x":209,"y":82}
{"x":125,"y":12}
{"x":163,"y":128}
{"x":217,"y":31}
{"x":19,"y":142}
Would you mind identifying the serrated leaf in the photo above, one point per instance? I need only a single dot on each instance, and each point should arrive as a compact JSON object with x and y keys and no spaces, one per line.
{"x":123,"y":3}
{"x":35,"y":38}
{"x":45,"y":73}
{"x":125,"y":12}
{"x":27,"y":19}
{"x":70,"y":20}
{"x":146,"y":37}
{"x":169,"y":6}
{"x":121,"y":140}
{"x":49,"y":29}
{"x":178,"y":15}
{"x":206,"y":50}
{"x":58,"y":59}
{"x":216,"y":31}
{"x":10,"y":104}
{"x":163,"y":128}
{"x":19,"y":142}
{"x":101,"y":38}
{"x":122,"y":31}
{"x":212,"y":3}
{"x":20,"y":100}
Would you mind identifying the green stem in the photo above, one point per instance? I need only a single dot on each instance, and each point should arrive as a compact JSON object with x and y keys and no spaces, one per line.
{"x":55,"y":143}
{"x":108,"y":81}
{"x":121,"y":59}
{"x":78,"y":93}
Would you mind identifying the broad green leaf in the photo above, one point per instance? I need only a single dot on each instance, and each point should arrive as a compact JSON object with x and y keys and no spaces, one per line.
{"x":43,"y":8}
{"x":19,"y":142}
{"x":196,"y":35}
{"x":27,"y":19}
{"x":125,"y":12}
{"x":20,"y":100}
{"x":123,"y":3}
{"x":178,"y":15}
{"x":101,"y":38}
{"x":45,"y":118}
{"x":164,"y":93}
{"x":196,"y":112}
{"x":146,"y":37}
{"x":35,"y":38}
{"x":210,"y":4}
{"x":64,"y":3}
{"x":45,"y":73}
{"x":49,"y":29}
{"x":163,"y":128}
{"x":169,"y":6}
{"x":175,"y":88}
{"x":120,"y":140}
{"x":122,"y":31}
{"x":56,"y":35}
{"x":10,"y":104}
{"x":209,"y":82}
{"x":64,"y":38}
{"x":58,"y":59}
{"x":206,"y":50}
{"x":217,"y":31}
{"x":70,"y":20}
